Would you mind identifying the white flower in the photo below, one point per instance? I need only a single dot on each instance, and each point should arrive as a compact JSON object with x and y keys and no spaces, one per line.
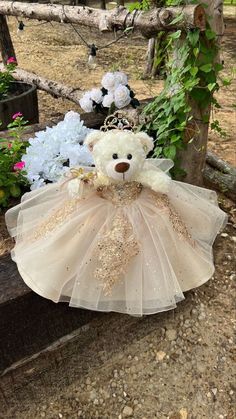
{"x":122,"y":96}
{"x":121,"y":78}
{"x":109,"y":81}
{"x":108,"y":100}
{"x":53,"y":151}
{"x":86,"y":102}
{"x":71,"y":115}
{"x":38,"y":183}
{"x":96,"y":95}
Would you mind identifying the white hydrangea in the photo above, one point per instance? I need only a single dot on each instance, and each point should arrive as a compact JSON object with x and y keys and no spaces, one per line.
{"x":109,"y":81}
{"x":121,"y":78}
{"x":108,"y":100}
{"x":122,"y":96}
{"x":86,"y":102}
{"x":53,"y":151}
{"x":96,"y":95}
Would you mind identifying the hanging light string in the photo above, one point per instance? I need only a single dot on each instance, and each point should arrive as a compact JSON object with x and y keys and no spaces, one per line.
{"x":22,"y":25}
{"x":89,"y":46}
{"x":93,"y":48}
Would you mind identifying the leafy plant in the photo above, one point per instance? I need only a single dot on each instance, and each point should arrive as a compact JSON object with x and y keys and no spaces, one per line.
{"x":12,"y":176}
{"x":192,"y":77}
{"x":6,"y":77}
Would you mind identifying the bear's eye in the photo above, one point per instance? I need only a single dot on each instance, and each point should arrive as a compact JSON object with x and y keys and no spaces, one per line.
{"x":115,"y":156}
{"x":129,"y":156}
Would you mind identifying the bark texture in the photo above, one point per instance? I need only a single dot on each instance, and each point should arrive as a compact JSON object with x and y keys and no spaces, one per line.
{"x":148,"y":22}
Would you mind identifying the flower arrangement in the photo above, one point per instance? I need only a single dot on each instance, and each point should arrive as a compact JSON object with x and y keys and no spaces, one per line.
{"x":12,"y":175}
{"x":6,"y":77}
{"x":54,"y":151}
{"x":114,"y":93}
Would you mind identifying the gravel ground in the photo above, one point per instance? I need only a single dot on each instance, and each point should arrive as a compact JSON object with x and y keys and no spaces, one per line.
{"x":175,"y":365}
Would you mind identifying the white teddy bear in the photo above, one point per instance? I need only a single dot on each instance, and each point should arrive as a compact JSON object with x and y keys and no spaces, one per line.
{"x":120,"y":156}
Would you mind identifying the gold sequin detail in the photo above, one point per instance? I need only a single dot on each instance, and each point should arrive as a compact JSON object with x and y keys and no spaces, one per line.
{"x":114,"y":251}
{"x":121,"y":194}
{"x":162,"y":202}
{"x":57,"y":217}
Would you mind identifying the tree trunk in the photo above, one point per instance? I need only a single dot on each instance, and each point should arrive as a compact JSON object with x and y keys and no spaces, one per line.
{"x":194,"y":157}
{"x":6,"y":45}
{"x":147,"y":22}
{"x":53,"y":88}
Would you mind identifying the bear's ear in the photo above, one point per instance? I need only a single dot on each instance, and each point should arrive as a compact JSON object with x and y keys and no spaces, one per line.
{"x":93,"y":138}
{"x":145,"y":140}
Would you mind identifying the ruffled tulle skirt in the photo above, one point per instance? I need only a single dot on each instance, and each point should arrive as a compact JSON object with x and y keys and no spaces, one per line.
{"x":137,"y":258}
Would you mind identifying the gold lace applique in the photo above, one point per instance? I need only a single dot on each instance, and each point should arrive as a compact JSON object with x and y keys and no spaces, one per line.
{"x":57,"y":217}
{"x":121,"y":194}
{"x":114,"y":251}
{"x":162,"y":201}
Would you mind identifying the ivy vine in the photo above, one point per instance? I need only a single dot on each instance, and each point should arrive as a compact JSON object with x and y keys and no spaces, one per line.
{"x":192,"y":75}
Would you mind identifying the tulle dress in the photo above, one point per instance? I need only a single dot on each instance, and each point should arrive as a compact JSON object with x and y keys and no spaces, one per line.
{"x":121,"y":247}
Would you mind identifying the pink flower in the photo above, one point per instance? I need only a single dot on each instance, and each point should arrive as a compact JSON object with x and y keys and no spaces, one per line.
{"x":19,"y":165}
{"x":11,"y":60}
{"x":17,"y":115}
{"x":9,"y":145}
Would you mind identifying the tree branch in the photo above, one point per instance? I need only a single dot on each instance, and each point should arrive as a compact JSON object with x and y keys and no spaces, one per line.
{"x":147,"y":22}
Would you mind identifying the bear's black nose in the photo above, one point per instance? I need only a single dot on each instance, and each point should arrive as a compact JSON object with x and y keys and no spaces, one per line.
{"x":122,"y":167}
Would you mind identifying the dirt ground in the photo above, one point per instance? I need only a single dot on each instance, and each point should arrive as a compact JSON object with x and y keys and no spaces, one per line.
{"x":173,"y":365}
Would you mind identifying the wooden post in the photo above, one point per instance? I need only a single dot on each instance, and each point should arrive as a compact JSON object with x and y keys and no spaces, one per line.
{"x":194,"y":158}
{"x":6,"y":45}
{"x":103,"y":4}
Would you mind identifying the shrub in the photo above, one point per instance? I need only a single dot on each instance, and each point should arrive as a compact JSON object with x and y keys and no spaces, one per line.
{"x":12,"y":175}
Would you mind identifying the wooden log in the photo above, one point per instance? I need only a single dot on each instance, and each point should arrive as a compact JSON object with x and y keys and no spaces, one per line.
{"x":147,"y":22}
{"x":18,"y":321}
{"x":150,"y":57}
{"x":220,"y":175}
{"x":222,"y":182}
{"x":215,"y":162}
{"x":6,"y":45}
{"x":53,"y":88}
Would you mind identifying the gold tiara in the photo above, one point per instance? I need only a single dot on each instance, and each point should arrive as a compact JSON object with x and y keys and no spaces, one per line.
{"x":118,"y":120}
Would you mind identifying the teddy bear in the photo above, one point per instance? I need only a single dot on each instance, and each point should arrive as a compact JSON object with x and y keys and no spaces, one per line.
{"x":120,"y":156}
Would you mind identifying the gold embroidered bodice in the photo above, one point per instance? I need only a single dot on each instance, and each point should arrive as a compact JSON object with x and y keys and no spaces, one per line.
{"x":121,"y":194}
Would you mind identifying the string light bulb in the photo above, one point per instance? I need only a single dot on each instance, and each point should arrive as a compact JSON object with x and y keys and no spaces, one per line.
{"x":92,"y":56}
{"x":21,"y":26}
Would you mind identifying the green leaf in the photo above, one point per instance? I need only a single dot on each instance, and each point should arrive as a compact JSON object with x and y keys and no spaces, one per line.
{"x":193,"y":37}
{"x":175,"y":35}
{"x":226,"y":82}
{"x":211,"y":86}
{"x":157,"y":151}
{"x":170,"y":152}
{"x":206,"y":68}
{"x":178,"y":19}
{"x":193,"y":71}
{"x":210,"y":34}
{"x":15,"y":191}
{"x":218,"y":67}
{"x":195,"y":52}
{"x":174,"y":138}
